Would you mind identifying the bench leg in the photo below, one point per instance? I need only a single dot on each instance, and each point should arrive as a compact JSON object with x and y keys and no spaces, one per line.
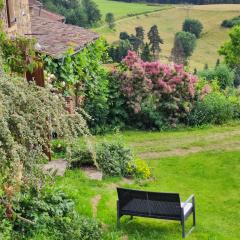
{"x":118,"y":215}
{"x":183,"y":229}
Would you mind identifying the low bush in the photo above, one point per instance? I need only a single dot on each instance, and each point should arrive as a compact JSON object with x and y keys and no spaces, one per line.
{"x":229,"y":23}
{"x":53,"y":216}
{"x":113,"y":158}
{"x":214,"y":108}
{"x":139,"y":169}
{"x":224,"y":76}
{"x":81,"y":156}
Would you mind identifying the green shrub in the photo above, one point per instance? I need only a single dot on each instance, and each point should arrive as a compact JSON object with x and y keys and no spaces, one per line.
{"x":81,"y":156}
{"x":113,"y":158}
{"x":59,"y":146}
{"x":193,"y":26}
{"x":139,"y":169}
{"x":229,"y":23}
{"x":54,"y":216}
{"x":223,"y":74}
{"x":215,"y":108}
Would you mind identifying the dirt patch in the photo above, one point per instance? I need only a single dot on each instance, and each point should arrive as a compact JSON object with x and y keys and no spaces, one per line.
{"x":59,"y":167}
{"x":229,"y":146}
{"x":175,"y":152}
{"x":125,"y":237}
{"x":93,"y":173}
{"x":95,"y":202}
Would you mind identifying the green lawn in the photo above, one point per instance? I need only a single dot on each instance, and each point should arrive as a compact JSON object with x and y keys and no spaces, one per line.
{"x":121,"y":9}
{"x":205,"y":162}
{"x":169,"y":21}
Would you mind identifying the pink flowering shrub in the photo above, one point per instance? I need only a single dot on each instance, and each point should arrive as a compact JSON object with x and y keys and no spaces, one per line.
{"x":169,"y":88}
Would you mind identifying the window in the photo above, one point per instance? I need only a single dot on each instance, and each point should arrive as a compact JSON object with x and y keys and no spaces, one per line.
{"x":10,"y":13}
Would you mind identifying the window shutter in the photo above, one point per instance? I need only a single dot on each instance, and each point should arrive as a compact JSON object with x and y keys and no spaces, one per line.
{"x":10,"y":13}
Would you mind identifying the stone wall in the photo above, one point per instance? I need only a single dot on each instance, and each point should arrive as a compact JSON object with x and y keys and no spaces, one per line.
{"x":22,"y":14}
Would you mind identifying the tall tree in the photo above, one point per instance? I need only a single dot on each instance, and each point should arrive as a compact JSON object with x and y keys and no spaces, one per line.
{"x":155,"y":40}
{"x":193,"y":26}
{"x":110,"y":20}
{"x":184,"y":45}
{"x":231,"y":49}
{"x":146,"y":53}
{"x":177,"y":53}
{"x":140,"y":35}
{"x":92,"y":11}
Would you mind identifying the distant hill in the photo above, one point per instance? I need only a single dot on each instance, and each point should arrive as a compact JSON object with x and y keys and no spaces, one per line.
{"x":198,"y":2}
{"x":169,"y":21}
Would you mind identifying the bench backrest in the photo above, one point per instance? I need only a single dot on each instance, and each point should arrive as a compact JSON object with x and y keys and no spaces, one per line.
{"x":150,"y":203}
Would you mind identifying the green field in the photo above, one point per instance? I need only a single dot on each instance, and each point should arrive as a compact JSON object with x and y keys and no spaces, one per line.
{"x":122,"y":10}
{"x":205,"y":162}
{"x":169,"y":21}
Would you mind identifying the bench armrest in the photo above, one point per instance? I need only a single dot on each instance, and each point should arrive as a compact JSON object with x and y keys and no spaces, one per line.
{"x":190,"y":199}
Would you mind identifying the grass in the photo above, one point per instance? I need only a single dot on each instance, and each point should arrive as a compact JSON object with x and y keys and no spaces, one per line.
{"x":123,"y":10}
{"x":211,"y":173}
{"x":169,"y":21}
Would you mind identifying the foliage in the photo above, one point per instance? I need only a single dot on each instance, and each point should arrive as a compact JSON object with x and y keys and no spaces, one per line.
{"x":229,"y":23}
{"x":214,"y":108}
{"x":82,"y":13}
{"x":28,"y":116}
{"x":231,"y":49}
{"x":193,"y":26}
{"x":110,"y":20}
{"x":54,"y":216}
{"x":113,"y":158}
{"x":221,"y":73}
{"x":187,"y":41}
{"x":146,"y":53}
{"x":154,"y":41}
{"x":139,"y":169}
{"x":81,"y":156}
{"x":82,"y":75}
{"x":19,"y":54}
{"x":117,"y":53}
{"x":167,"y":90}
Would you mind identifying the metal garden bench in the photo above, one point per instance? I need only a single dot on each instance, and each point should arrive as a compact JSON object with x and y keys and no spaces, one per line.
{"x":155,"y":205}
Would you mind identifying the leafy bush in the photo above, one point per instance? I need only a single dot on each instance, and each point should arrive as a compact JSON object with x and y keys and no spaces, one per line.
{"x":214,"y":108}
{"x":222,"y":73}
{"x":59,"y":146}
{"x":187,"y":41}
{"x":83,"y":76}
{"x":155,"y":93}
{"x":113,"y":158}
{"x":139,"y":169}
{"x":81,"y":156}
{"x":229,"y":23}
{"x":193,"y":26}
{"x":54,"y":216}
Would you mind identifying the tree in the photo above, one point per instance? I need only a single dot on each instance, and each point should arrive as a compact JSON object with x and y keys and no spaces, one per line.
{"x":177,"y":54}
{"x":110,"y":20}
{"x":146,"y":53}
{"x":92,"y":11}
{"x":231,"y":49}
{"x":140,"y":35}
{"x":83,"y":13}
{"x":193,"y":26}
{"x":124,"y":35}
{"x":185,"y":42}
{"x":155,"y":41}
{"x":135,"y":42}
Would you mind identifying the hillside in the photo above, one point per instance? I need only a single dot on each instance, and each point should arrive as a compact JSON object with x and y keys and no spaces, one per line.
{"x":170,"y":20}
{"x":122,"y":9}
